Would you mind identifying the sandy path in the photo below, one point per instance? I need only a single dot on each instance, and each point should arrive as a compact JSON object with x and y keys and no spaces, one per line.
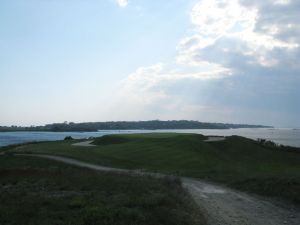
{"x":221,"y":205}
{"x":84,"y":144}
{"x":213,"y":139}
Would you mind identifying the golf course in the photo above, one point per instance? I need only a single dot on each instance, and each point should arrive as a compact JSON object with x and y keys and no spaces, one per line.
{"x":232,"y":165}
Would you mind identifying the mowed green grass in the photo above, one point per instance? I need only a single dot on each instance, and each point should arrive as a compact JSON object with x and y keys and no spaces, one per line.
{"x":236,"y":161}
{"x":35,"y":191}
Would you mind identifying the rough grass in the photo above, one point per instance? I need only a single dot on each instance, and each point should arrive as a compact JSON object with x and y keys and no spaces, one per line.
{"x":36,"y":191}
{"x":286,"y":188}
{"x":236,"y":161}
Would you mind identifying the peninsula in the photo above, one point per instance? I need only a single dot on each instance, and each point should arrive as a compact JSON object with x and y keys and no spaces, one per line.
{"x":129,"y":125}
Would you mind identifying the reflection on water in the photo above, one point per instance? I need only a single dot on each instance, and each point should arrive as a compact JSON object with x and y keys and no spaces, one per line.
{"x":281,"y":136}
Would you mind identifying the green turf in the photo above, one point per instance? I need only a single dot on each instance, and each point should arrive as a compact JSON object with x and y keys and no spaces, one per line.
{"x":36,"y":191}
{"x":237,"y":161}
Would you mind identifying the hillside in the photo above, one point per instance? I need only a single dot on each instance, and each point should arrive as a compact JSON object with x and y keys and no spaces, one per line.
{"x":238,"y":162}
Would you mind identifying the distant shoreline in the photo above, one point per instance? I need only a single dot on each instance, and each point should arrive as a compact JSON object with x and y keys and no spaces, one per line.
{"x":128,"y":125}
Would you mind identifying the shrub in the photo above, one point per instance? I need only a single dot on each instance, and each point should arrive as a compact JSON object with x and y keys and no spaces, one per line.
{"x":68,"y":138}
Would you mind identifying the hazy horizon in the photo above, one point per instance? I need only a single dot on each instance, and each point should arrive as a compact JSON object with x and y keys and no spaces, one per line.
{"x":68,"y":122}
{"x":227,"y":61}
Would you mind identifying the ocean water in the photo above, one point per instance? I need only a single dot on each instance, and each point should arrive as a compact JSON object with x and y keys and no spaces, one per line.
{"x":290,"y":137}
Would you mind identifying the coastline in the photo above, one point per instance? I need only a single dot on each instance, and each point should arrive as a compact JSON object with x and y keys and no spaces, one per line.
{"x":282,"y":136}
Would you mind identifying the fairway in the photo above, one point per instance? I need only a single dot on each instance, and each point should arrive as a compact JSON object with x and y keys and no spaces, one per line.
{"x":239,"y":162}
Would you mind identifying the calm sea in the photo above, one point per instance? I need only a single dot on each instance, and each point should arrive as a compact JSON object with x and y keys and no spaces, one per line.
{"x":289,"y":137}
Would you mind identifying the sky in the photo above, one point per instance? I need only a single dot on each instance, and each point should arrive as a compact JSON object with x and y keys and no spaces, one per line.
{"x":234,"y":61}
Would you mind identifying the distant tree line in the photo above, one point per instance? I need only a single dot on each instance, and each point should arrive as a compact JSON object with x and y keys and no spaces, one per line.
{"x":129,"y":125}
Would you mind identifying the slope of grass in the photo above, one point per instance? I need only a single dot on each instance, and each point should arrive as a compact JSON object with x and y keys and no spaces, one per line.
{"x":237,"y":161}
{"x":36,"y":191}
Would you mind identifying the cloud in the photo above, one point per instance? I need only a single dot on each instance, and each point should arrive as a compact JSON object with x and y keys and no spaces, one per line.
{"x":159,"y":89}
{"x":147,"y":79}
{"x":235,"y":34}
{"x":241,"y":54}
{"x":232,"y":28}
{"x":217,"y":17}
{"x":122,"y":3}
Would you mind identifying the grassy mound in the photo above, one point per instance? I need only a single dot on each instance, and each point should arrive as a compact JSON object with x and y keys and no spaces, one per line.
{"x":37,"y":191}
{"x":110,"y":140}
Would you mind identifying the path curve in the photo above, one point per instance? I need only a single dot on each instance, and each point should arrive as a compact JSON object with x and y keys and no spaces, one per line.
{"x":221,"y":205}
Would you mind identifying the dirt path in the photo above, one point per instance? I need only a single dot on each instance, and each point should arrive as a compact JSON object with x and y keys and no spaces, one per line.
{"x":224,"y":206}
{"x":221,"y":205}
